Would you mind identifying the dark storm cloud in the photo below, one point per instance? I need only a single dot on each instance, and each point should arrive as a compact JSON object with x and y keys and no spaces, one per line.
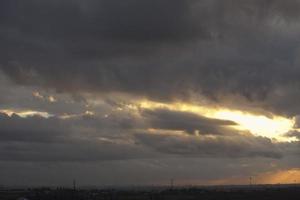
{"x":65,"y":140}
{"x":130,"y":20}
{"x":233,"y":146}
{"x":66,"y":40}
{"x":19,"y":98}
{"x":31,"y":129}
{"x":94,"y":138}
{"x":185,"y":121}
{"x":160,"y":49}
{"x":73,"y":151}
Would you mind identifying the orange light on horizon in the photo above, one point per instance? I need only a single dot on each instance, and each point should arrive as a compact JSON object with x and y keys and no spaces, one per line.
{"x":291,"y":176}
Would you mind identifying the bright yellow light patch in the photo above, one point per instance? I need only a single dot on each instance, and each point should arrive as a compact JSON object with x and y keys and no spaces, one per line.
{"x":70,"y":116}
{"x":52,"y":99}
{"x":257,"y":124}
{"x":26,"y":113}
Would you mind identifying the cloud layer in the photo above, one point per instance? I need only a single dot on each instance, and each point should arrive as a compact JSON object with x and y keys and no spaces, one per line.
{"x":86,"y":63}
{"x":160,"y":49}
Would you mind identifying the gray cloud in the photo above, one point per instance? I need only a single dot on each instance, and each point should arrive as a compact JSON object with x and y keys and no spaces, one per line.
{"x":185,"y":121}
{"x":31,"y":129}
{"x":17,"y":97}
{"x":77,"y":139}
{"x":160,"y":49}
{"x":294,"y":133}
{"x":95,"y":138}
{"x":71,"y":151}
{"x":131,"y":172}
{"x":233,"y":146}
{"x":297,"y":121}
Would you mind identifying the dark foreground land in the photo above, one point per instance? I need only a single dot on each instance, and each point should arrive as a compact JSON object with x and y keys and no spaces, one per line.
{"x":265,"y":192}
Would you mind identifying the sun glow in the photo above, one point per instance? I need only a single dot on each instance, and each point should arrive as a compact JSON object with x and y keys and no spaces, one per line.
{"x":282,"y":177}
{"x":272,"y":127}
{"x":288,"y":176}
{"x":258,"y":125}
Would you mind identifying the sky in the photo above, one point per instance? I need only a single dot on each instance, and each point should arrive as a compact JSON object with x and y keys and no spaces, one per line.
{"x":139,"y":92}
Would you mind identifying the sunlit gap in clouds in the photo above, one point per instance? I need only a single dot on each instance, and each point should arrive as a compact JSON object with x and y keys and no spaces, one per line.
{"x":272,"y":127}
{"x":26,"y":113}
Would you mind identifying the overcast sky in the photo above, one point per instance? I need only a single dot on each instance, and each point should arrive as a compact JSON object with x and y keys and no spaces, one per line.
{"x":113,"y":92}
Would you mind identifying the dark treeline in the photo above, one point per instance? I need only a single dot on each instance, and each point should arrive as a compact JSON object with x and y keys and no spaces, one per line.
{"x":212,"y":193}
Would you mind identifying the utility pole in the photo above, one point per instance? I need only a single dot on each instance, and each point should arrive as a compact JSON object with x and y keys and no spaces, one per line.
{"x":172,"y":183}
{"x":74,"y":185}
